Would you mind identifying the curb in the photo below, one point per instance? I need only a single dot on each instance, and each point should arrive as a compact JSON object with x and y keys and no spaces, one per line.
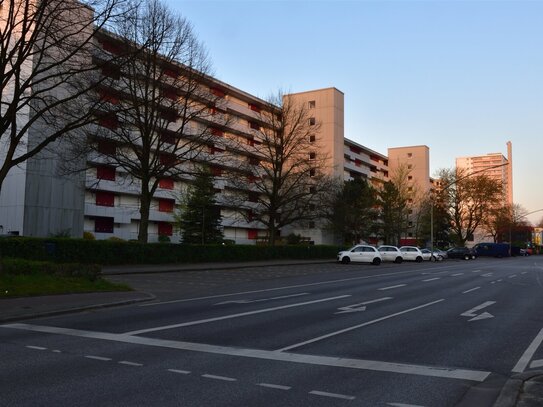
{"x":150,"y":297}
{"x":223,"y":266}
{"x":511,"y":390}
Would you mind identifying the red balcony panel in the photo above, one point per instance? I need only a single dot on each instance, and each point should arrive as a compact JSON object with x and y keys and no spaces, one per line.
{"x":105,"y":172}
{"x":216,"y":171}
{"x":107,"y":96}
{"x":167,"y":159}
{"x":111,"y":71}
{"x":252,"y":234}
{"x":169,"y":93}
{"x":103,"y":225}
{"x":172,"y":73}
{"x":167,"y":138}
{"x":104,"y":198}
{"x":109,"y":121}
{"x":112,"y":47}
{"x":166,"y":183}
{"x":255,"y":108}
{"x":254,"y":126}
{"x":165,"y":229}
{"x":218,"y":92}
{"x":107,"y":147}
{"x":217,"y":132}
{"x":165,"y":205}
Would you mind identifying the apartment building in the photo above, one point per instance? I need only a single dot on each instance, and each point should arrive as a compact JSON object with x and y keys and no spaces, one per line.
{"x":493,"y":165}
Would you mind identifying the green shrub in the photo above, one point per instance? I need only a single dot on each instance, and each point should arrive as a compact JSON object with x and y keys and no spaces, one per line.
{"x":24,"y":266}
{"x":164,"y":239}
{"x":88,"y":236}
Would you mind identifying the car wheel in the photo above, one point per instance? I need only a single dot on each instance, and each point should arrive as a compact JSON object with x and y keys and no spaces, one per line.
{"x":466,"y":257}
{"x":398,"y":260}
{"x":376,"y":261}
{"x":419,"y":259}
{"x":439,"y":258}
{"x":433,"y":258}
{"x":346,"y":260}
{"x":472,"y":257}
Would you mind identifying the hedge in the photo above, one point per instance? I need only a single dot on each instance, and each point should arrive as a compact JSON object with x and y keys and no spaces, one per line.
{"x":24,"y":266}
{"x":64,"y":250}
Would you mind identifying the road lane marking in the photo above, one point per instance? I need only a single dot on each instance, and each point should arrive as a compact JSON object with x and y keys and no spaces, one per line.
{"x":476,"y":271}
{"x":223,"y":378}
{"x":333,"y":395}
{"x":536,"y":363}
{"x":432,"y":279}
{"x":287,"y":287}
{"x":242,"y":314}
{"x":127,"y":363}
{"x":512,"y":276}
{"x":391,"y":287}
{"x":341,"y":331}
{"x":35,"y":347}
{"x":528,"y":353}
{"x":484,"y":315}
{"x":98,"y":358}
{"x":260,"y":300}
{"x":524,"y":272}
{"x":486,"y":275}
{"x":470,"y":290}
{"x":359,"y":364}
{"x":457,"y":274}
{"x":179,"y":371}
{"x":361,"y":306}
{"x":404,"y":405}
{"x":56,"y":351}
{"x":274,"y":386}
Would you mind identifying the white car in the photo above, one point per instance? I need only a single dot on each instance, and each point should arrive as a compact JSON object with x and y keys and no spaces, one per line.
{"x":411,"y":253}
{"x":360,"y":253}
{"x":390,"y":253}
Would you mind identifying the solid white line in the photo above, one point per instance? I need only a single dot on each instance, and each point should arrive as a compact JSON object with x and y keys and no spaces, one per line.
{"x":528,"y":353}
{"x":97,"y":358}
{"x":391,"y":287}
{"x":297,"y":345}
{"x":127,"y":363}
{"x":333,"y":395}
{"x":179,"y":371}
{"x":35,"y":347}
{"x":274,"y":386}
{"x":224,"y":378}
{"x":470,"y":290}
{"x":359,"y":364}
{"x":432,"y":279}
{"x":242,"y":314}
{"x":282,"y":288}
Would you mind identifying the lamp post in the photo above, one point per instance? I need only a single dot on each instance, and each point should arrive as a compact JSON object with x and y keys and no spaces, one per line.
{"x":443,"y":188}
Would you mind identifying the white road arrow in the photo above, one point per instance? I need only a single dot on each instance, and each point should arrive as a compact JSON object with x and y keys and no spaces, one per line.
{"x":259,"y":300}
{"x":484,"y":315}
{"x":359,"y":307}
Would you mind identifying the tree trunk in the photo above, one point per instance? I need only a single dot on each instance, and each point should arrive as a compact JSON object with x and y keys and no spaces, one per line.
{"x":145,"y":204}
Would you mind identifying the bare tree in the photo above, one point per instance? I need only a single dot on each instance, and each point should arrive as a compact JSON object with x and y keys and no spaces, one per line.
{"x":281,"y":179}
{"x":47,"y":73}
{"x":164,"y":108}
{"x":468,"y":199}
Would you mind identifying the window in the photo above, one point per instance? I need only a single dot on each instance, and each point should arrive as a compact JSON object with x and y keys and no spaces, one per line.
{"x":104,"y":198}
{"x":253,"y":197}
{"x":312,"y":155}
{"x":167,"y":159}
{"x":254,"y":126}
{"x":169,"y":93}
{"x":165,"y":183}
{"x":410,"y":224}
{"x":216,"y":171}
{"x":409,"y":155}
{"x":250,"y":215}
{"x":311,"y":224}
{"x":312,"y":190}
{"x":409,"y":177}
{"x":312,"y":138}
{"x":165,"y":205}
{"x":105,"y":172}
{"x":409,"y":189}
{"x":111,"y":47}
{"x":167,"y":138}
{"x":312,"y":104}
{"x":409,"y":166}
{"x":312,"y":172}
{"x":410,"y":234}
{"x":109,"y":121}
{"x":312,"y":121}
{"x":103,"y":225}
{"x":111,"y":71}
{"x":165,"y":229}
{"x":254,"y":161}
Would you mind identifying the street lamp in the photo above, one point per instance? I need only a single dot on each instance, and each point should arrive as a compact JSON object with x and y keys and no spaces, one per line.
{"x":448,"y":186}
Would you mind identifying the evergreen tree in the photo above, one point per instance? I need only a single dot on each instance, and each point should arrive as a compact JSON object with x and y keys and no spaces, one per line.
{"x":200,"y":220}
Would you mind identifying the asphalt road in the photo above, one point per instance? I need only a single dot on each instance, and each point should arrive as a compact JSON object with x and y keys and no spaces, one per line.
{"x":431,"y":334}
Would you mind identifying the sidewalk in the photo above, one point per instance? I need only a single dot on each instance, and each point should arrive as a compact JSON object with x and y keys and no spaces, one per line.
{"x":522,"y":390}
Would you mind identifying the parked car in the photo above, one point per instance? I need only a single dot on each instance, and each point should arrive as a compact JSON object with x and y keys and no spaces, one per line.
{"x":390,"y":253}
{"x":440,"y":254}
{"x":436,"y":255}
{"x":492,"y":249}
{"x":360,"y":253}
{"x":411,"y":253}
{"x":461,"y":253}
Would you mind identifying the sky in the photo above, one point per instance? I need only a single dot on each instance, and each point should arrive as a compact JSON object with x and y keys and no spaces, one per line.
{"x":462,"y":77}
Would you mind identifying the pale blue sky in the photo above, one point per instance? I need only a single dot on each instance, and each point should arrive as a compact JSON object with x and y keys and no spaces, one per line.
{"x":462,"y":77}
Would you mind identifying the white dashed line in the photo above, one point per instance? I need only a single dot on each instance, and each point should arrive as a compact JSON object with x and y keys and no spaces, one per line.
{"x":470,"y":290}
{"x":179,"y":371}
{"x":457,"y":274}
{"x":403,"y":405}
{"x":224,"y":378}
{"x":334,"y":395}
{"x":97,"y":358}
{"x":274,"y":386}
{"x":476,"y":271}
{"x":512,"y":276}
{"x":524,"y":272}
{"x":127,"y":363}
{"x":431,"y":279}
{"x":486,"y":275}
{"x":56,"y":351}
{"x":391,"y":287}
{"x":35,"y":347}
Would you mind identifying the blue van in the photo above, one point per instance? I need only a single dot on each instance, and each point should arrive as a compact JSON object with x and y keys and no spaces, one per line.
{"x":492,"y":249}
